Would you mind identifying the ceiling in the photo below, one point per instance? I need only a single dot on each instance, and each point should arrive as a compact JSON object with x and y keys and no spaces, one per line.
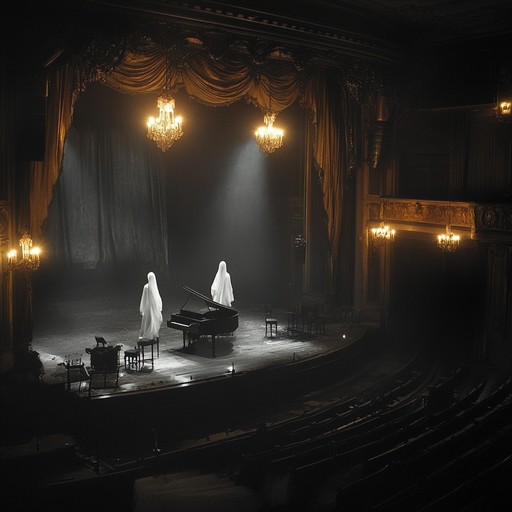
{"x":428,"y":20}
{"x":443,"y":18}
{"x":378,"y":27}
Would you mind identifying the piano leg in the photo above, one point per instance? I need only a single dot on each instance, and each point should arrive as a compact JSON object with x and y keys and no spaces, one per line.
{"x":213,"y":345}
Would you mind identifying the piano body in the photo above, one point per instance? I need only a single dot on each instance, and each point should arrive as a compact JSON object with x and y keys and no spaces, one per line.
{"x":214,"y":320}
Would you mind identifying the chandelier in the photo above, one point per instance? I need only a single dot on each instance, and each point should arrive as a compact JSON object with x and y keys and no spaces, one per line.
{"x":166,"y":128}
{"x":29,"y":256}
{"x":269,"y":138}
{"x":448,"y":241}
{"x":382,"y":234}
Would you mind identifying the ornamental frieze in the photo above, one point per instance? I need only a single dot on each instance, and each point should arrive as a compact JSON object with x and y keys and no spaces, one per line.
{"x":424,"y":212}
{"x":476,"y":217}
{"x":494,"y":217}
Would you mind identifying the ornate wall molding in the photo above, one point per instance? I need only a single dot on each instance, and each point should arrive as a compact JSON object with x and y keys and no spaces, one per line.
{"x":479,"y":219}
{"x":494,"y":217}
{"x":437,"y":213}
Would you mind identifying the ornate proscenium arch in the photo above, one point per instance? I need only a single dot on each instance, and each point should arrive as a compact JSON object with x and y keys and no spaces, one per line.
{"x":219,"y":65}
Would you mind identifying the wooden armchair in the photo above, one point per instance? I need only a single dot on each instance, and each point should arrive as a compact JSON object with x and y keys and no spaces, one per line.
{"x":104,"y":369}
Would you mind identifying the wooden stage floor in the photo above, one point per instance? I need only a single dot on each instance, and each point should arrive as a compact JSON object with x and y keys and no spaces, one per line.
{"x":67,"y":320}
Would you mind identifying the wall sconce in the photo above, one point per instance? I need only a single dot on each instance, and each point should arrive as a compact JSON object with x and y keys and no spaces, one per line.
{"x":504,"y":110}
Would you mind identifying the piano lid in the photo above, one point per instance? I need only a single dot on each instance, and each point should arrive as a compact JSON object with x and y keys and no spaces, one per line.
{"x":211,"y":303}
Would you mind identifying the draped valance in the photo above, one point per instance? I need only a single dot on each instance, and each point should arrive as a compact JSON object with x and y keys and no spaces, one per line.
{"x":209,"y":81}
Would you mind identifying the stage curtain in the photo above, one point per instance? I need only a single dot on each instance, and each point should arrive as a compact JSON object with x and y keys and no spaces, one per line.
{"x":44,"y":174}
{"x":333,"y":154}
{"x":109,"y":205}
{"x":215,"y":82}
{"x":207,"y":80}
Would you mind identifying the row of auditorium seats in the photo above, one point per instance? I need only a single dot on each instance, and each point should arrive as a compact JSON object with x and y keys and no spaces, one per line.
{"x":418,"y":472}
{"x":411,"y":443}
{"x":339,"y":429}
{"x":379,"y":425}
{"x":415,"y":373}
{"x":427,"y":492}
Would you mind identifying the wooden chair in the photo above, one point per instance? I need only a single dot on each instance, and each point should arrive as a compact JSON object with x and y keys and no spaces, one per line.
{"x":76,"y":371}
{"x":270,"y":321}
{"x":104,"y":372}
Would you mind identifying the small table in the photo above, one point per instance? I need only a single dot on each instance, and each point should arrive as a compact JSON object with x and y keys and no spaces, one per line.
{"x":132,"y":358}
{"x":142,"y":344}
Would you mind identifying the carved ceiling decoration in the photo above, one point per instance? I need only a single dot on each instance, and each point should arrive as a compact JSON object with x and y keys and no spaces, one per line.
{"x":100,"y":56}
{"x":214,"y":26}
{"x":365,"y":39}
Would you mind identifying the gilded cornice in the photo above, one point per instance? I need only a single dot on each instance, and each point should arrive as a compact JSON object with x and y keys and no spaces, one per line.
{"x":481,"y":220}
{"x":422,"y":212}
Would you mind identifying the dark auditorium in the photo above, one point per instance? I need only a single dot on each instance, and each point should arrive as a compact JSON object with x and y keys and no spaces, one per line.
{"x":256,"y":256}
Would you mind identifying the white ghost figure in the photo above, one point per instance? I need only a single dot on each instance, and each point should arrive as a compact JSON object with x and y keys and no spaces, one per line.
{"x":150,"y":309}
{"x":222,"y":291}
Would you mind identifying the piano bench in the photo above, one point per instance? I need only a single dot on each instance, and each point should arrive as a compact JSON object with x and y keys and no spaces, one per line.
{"x":132,"y":358}
{"x":143,"y":344}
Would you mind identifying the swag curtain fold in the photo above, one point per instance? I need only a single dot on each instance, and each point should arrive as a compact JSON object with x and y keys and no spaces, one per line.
{"x":215,"y":83}
{"x":208,"y":81}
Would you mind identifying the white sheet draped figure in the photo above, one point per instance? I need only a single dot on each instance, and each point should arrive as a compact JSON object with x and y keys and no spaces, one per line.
{"x":222,"y":291}
{"x":150,"y":309}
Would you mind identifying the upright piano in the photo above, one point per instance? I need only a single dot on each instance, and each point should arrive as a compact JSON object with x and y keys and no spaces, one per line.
{"x":213,"y":320}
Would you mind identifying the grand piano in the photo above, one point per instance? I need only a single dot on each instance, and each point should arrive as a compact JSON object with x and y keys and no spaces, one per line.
{"x":213,"y":320}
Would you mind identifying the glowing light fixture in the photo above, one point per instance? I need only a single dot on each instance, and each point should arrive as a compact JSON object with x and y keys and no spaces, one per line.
{"x":505,"y":108}
{"x":166,"y":129}
{"x":448,"y":241}
{"x":382,"y":234}
{"x":29,"y":256}
{"x":268,"y":137}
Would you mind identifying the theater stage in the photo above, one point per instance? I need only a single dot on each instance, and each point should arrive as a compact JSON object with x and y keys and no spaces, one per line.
{"x":189,"y":395}
{"x":67,"y":319}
